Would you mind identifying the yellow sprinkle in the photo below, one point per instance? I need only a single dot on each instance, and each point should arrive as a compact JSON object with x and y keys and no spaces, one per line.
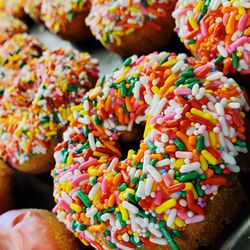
{"x":198,"y":7}
{"x":148,"y":127}
{"x":193,"y":23}
{"x":188,"y":186}
{"x":121,"y":196}
{"x":130,"y":191}
{"x":178,"y":222}
{"x":124,"y":212}
{"x":195,"y":194}
{"x":209,"y":157}
{"x":120,"y":78}
{"x":84,"y":242}
{"x":202,"y":114}
{"x":179,"y":163}
{"x":155,"y":90}
{"x":212,"y":137}
{"x":130,"y":154}
{"x":51,"y":133}
{"x":241,"y":10}
{"x":165,"y":206}
{"x":119,"y":237}
{"x":96,"y":197}
{"x":204,"y":165}
{"x":77,"y":108}
{"x":171,"y":89}
{"x":75,"y":207}
{"x":99,"y":154}
{"x":170,"y":63}
{"x":92,"y":171}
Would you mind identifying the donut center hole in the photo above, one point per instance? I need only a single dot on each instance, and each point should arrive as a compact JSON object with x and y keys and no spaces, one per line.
{"x":131,"y":140}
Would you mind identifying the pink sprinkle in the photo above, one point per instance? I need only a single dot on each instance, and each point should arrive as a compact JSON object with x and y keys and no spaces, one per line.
{"x":79,"y":179}
{"x":132,"y":116}
{"x":184,"y":154}
{"x":118,"y":201}
{"x":140,"y":60}
{"x":55,"y":208}
{"x":237,"y":43}
{"x":88,"y":163}
{"x":130,"y":125}
{"x":201,"y":68}
{"x":242,"y":21}
{"x":104,"y":186}
{"x":64,"y":204}
{"x":167,"y":180}
{"x":158,"y":198}
{"x":203,"y":28}
{"x":225,"y":18}
{"x":169,"y":117}
{"x":211,"y":189}
{"x":182,"y":91}
{"x":182,"y":215}
{"x":195,"y":219}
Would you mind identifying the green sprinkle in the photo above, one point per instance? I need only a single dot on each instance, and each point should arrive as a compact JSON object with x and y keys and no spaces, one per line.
{"x":204,"y":9}
{"x":74,"y":225}
{"x":147,"y":234}
{"x":235,"y":61}
{"x":143,"y":176}
{"x":199,"y":18}
{"x":191,"y":80}
{"x":99,"y":217}
{"x":84,"y":198}
{"x":190,"y":86}
{"x":132,"y":240}
{"x":109,"y":210}
{"x":241,"y":143}
{"x":72,"y":88}
{"x":164,"y":60}
{"x":200,"y":143}
{"x":203,"y":177}
{"x":216,"y":169}
{"x":134,"y":179}
{"x":127,"y":62}
{"x":218,"y":59}
{"x":153,"y":162}
{"x":55,"y":117}
{"x":97,"y":120}
{"x":131,"y":198}
{"x":191,"y":41}
{"x":167,"y":235}
{"x":188,"y":177}
{"x":44,"y":120}
{"x":165,"y":156}
{"x":199,"y":191}
{"x":111,"y":245}
{"x":93,"y":180}
{"x":180,"y":81}
{"x":123,"y":89}
{"x":65,"y":155}
{"x":82,"y":227}
{"x":179,"y":144}
{"x":107,"y":233}
{"x":187,"y":73}
{"x":177,"y":233}
{"x":85,"y":131}
{"x":102,"y":82}
{"x":122,"y":187}
{"x":119,"y":217}
{"x":151,"y":146}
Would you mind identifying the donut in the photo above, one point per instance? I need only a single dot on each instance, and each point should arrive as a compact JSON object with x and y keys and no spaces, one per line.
{"x":34,"y":229}
{"x":67,"y":18}
{"x":132,"y":27}
{"x":34,"y":111}
{"x":164,"y":193}
{"x":33,"y":9}
{"x":15,"y":8}
{"x":10,"y":26}
{"x":218,"y":31}
{"x":6,"y":201}
{"x":18,"y":50}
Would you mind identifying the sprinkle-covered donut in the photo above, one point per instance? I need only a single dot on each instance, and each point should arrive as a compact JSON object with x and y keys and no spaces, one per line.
{"x":34,"y":111}
{"x":33,"y":9}
{"x":67,"y":18}
{"x":132,"y":27}
{"x":10,"y":26}
{"x":194,"y":130}
{"x":217,"y":30}
{"x":18,"y":50}
{"x":34,"y":229}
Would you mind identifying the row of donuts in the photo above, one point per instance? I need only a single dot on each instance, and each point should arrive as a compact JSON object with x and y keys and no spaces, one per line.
{"x":213,"y":29}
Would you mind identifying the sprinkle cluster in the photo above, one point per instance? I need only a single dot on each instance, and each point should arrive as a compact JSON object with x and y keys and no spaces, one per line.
{"x":18,"y":50}
{"x":33,"y":9}
{"x":110,"y":20}
{"x":57,"y":14}
{"x":194,"y":130}
{"x":36,"y":107}
{"x":10,"y":26}
{"x":217,"y":30}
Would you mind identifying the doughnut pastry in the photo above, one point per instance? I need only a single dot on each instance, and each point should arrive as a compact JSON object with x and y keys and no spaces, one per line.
{"x":18,"y":50}
{"x":10,"y":26}
{"x":132,"y":27}
{"x":6,"y":201}
{"x":33,"y":9}
{"x":216,"y":30}
{"x":67,"y":18}
{"x":31,"y":229}
{"x":15,"y":8}
{"x":34,"y":111}
{"x":164,"y":194}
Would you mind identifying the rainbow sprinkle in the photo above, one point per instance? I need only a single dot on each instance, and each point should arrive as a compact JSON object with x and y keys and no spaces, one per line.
{"x":110,"y":20}
{"x":216,"y":30}
{"x":194,"y":130}
{"x":35,"y":109}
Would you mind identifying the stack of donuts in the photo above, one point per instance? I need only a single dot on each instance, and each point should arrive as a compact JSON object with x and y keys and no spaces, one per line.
{"x":146,"y":156}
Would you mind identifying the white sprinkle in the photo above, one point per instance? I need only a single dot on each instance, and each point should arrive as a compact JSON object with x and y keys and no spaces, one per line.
{"x":91,"y":212}
{"x":160,"y":107}
{"x":195,"y":89}
{"x":66,"y":197}
{"x":120,"y":246}
{"x":154,"y":173}
{"x":219,"y":108}
{"x":195,"y":219}
{"x":222,"y":51}
{"x":86,"y":105}
{"x":221,"y":139}
{"x":234,"y":168}
{"x":228,"y":158}
{"x":200,"y":94}
{"x":140,"y":189}
{"x":109,"y":217}
{"x":155,"y":103}
{"x":132,"y":208}
{"x":234,"y":105}
{"x":89,"y":235}
{"x":94,"y":190}
{"x":65,"y":177}
{"x":194,"y":166}
{"x":146,"y":160}
{"x":177,"y":66}
{"x":148,"y":186}
{"x":153,"y":230}
{"x":158,"y":241}
{"x":214,"y":76}
{"x":162,"y":163}
{"x":171,"y":217}
{"x":134,"y":226}
{"x":125,"y":237}
{"x":224,"y":126}
{"x":91,"y":140}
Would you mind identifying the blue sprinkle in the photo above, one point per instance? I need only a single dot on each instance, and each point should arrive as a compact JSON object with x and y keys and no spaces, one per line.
{"x":222,"y":148}
{"x":163,"y":171}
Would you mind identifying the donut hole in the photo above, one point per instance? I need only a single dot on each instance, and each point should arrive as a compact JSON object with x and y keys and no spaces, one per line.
{"x":131,"y":140}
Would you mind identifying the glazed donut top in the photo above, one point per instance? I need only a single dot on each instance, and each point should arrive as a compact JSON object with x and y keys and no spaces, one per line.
{"x":110,"y":20}
{"x":18,"y":50}
{"x":57,"y":14}
{"x":217,"y":30}
{"x":36,"y":109}
{"x":10,"y":26}
{"x":194,"y":130}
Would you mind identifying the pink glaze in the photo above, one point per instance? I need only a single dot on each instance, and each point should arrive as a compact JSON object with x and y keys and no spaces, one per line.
{"x":25,"y":230}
